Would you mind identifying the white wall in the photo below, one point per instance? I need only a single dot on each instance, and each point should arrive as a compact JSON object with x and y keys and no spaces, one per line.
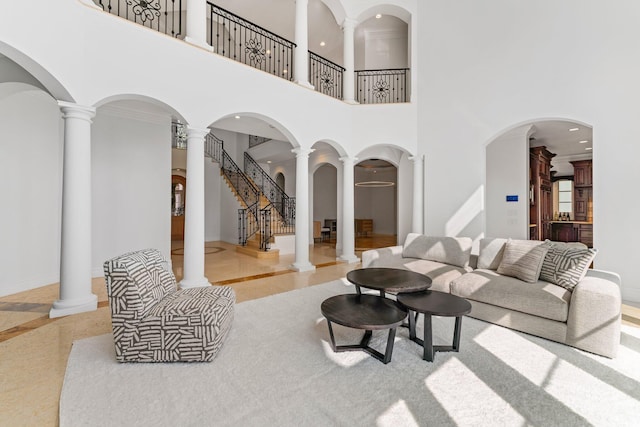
{"x":507,"y":170}
{"x":30,"y":172}
{"x":131,"y":183}
{"x":496,"y":70}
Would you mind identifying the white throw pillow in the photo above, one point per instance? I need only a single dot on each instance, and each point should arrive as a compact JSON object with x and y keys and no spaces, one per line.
{"x":523,"y":259}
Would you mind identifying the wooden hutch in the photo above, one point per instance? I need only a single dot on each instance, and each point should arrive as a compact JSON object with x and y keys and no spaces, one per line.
{"x":540,"y":193}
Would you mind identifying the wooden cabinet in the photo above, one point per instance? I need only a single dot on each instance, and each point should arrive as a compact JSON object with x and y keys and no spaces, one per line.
{"x":585,"y":234}
{"x":364,"y":226}
{"x":583,"y":190}
{"x":541,"y":198}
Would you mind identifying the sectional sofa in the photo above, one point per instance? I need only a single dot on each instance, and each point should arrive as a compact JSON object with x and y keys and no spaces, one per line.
{"x":541,"y":288}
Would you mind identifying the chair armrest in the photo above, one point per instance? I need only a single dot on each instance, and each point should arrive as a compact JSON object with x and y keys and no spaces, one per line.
{"x":594,"y":313}
{"x":375,"y":256}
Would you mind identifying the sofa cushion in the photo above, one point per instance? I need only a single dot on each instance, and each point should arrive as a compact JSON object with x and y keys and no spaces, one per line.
{"x":440,"y":274}
{"x":523,"y":259}
{"x":490,"y":254}
{"x":539,"y":299}
{"x":448,"y":250}
{"x":565,"y":265}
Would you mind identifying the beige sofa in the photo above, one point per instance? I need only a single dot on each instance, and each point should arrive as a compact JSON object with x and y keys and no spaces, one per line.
{"x":586,"y":317}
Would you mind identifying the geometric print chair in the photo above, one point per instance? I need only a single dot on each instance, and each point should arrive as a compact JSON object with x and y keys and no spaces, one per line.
{"x":153,"y":321}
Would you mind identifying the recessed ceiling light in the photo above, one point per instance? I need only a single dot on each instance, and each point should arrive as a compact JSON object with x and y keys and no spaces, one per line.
{"x":573,"y":129}
{"x":268,"y":51}
{"x":589,"y":148}
{"x":269,"y":161}
{"x":322,"y":43}
{"x":284,"y":71}
{"x":584,"y":141}
{"x":237,"y":117}
{"x":378,"y":16}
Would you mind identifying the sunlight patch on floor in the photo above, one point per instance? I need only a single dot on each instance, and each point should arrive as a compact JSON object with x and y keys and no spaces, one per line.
{"x":452,"y":379}
{"x":397,"y":414}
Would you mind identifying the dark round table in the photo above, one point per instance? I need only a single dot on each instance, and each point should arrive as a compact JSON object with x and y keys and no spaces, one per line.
{"x":394,"y":280}
{"x":434,"y":303}
{"x":368,"y":312}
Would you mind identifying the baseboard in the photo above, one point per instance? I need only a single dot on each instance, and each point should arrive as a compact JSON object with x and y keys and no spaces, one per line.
{"x":631,"y":294}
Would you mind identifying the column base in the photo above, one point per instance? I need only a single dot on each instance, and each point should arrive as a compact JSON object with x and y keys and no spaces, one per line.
{"x":349,"y":259}
{"x":194,"y":283}
{"x":351,"y":101}
{"x":198,"y":43}
{"x":300,"y":267}
{"x":305,"y":84}
{"x":74,"y":306}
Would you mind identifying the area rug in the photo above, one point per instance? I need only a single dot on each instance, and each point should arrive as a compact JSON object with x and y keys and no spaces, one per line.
{"x":277,"y":369}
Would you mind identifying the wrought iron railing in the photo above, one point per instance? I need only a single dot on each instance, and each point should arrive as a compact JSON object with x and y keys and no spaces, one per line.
{"x":382,"y":86}
{"x":246,"y":42}
{"x":325,"y":76}
{"x":257,"y":140}
{"x":272,"y":191}
{"x":164,"y":16}
{"x":178,"y":136}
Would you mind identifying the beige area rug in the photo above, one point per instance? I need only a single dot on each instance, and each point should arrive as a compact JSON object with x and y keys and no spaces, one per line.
{"x":277,"y":369}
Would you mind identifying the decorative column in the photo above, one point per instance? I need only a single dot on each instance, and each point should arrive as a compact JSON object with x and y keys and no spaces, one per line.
{"x":340,"y":198}
{"x":302,"y":210}
{"x":197,"y":24}
{"x":348,"y":82}
{"x":416,"y":221}
{"x":75,"y":250}
{"x":348,"y":227}
{"x":301,"y":57}
{"x":193,"y":271}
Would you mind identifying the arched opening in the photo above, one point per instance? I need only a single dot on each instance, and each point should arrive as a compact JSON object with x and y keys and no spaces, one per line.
{"x":376,"y":203}
{"x":539,"y":182}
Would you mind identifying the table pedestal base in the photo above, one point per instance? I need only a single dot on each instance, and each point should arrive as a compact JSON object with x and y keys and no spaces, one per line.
{"x":427,"y":343}
{"x":364,"y":345}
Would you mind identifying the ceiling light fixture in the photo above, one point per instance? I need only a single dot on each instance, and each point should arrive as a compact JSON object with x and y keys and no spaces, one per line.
{"x":375,"y":184}
{"x":269,"y":161}
{"x":237,"y":117}
{"x":378,"y":16}
{"x":284,"y":71}
{"x":322,"y":44}
{"x":268,"y":51}
{"x":584,"y":141}
{"x":589,"y":148}
{"x":573,"y":129}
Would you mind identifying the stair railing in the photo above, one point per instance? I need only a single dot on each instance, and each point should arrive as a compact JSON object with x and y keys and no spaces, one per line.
{"x":272,"y":191}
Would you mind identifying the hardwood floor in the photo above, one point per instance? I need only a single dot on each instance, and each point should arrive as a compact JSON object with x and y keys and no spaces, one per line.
{"x":34,"y":349}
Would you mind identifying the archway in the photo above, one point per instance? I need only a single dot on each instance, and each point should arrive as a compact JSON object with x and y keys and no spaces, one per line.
{"x":537,"y":171}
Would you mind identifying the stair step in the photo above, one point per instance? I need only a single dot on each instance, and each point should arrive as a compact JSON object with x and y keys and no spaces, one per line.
{"x":257,"y":253}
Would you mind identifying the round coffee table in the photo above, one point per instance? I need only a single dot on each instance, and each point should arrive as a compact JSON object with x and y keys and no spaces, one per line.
{"x":394,"y":280}
{"x":434,"y":303}
{"x":368,"y":312}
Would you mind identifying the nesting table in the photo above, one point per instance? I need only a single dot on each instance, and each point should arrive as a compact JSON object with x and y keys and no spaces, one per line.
{"x":434,"y":303}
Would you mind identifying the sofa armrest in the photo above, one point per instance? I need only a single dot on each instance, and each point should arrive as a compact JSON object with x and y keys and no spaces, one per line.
{"x":594,"y":313}
{"x":375,"y":256}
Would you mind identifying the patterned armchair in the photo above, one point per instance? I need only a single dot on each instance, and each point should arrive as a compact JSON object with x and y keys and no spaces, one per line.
{"x":155,"y":322}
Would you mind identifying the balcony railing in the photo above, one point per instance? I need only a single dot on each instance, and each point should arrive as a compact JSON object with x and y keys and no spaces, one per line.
{"x":325,"y":76}
{"x":164,"y":16}
{"x":382,"y":86}
{"x":246,"y":42}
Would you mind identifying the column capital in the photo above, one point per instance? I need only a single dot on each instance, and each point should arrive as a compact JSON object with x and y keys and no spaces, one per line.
{"x":349,"y":24}
{"x":194,"y":132}
{"x":416,"y":158}
{"x":302,"y":152}
{"x":347,"y":159}
{"x":72,"y":110}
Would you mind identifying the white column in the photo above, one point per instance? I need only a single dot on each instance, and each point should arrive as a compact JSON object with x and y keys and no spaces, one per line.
{"x":348,"y":83}
{"x":301,"y":57}
{"x":193,"y":272}
{"x":416,"y":221}
{"x":340,"y":197}
{"x":197,"y":24}
{"x":302,"y":210}
{"x":348,"y":217}
{"x":75,"y":250}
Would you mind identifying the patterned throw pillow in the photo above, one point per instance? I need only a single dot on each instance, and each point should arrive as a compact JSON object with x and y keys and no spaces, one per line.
{"x":523,"y":259}
{"x":566,"y":266}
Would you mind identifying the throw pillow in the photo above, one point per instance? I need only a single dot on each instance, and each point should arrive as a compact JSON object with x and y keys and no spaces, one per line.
{"x":566,"y":266}
{"x":523,"y":259}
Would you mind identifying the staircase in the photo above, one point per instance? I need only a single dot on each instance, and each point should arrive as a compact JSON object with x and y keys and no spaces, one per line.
{"x":261,"y":217}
